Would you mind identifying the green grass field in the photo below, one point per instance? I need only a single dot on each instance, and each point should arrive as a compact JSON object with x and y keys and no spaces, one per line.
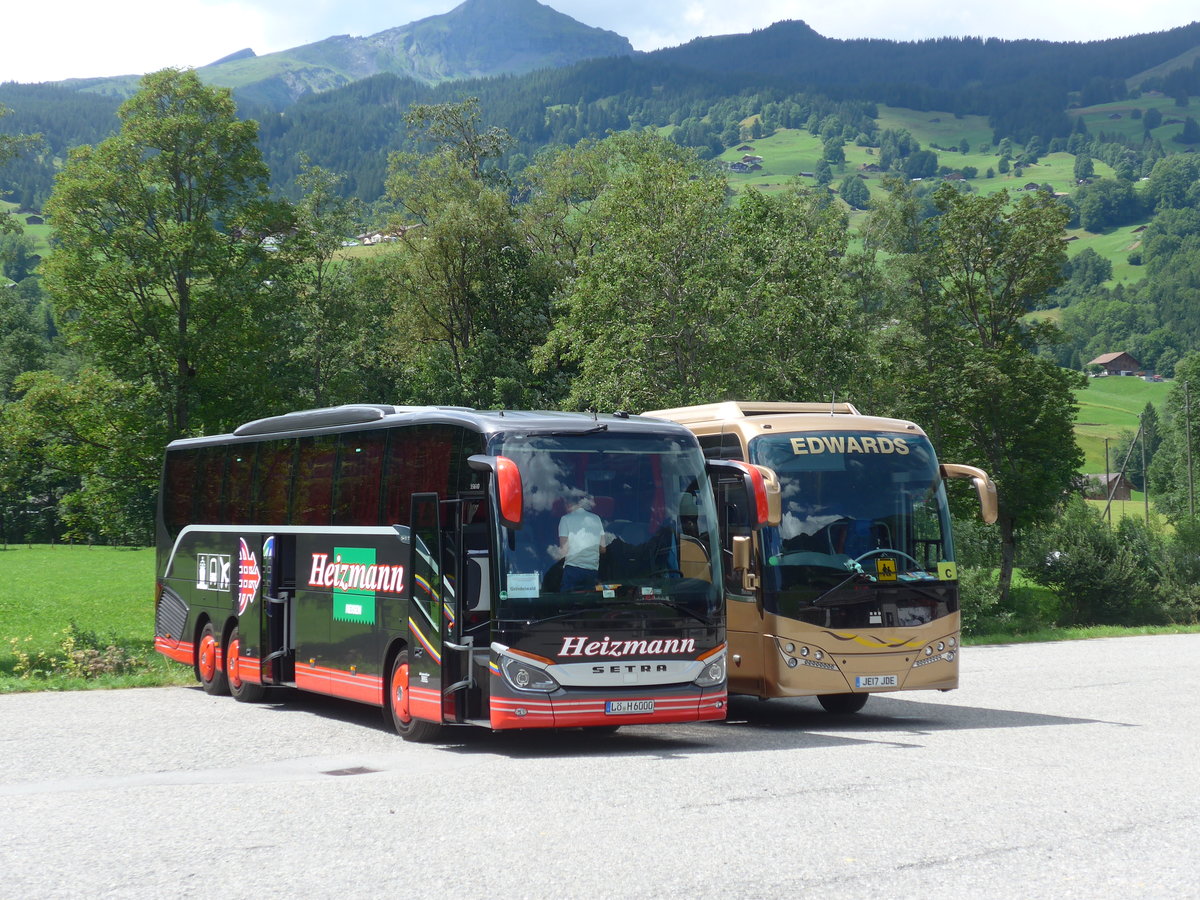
{"x":39,"y":233}
{"x":104,"y":590}
{"x":1118,"y":117}
{"x":1109,"y":407}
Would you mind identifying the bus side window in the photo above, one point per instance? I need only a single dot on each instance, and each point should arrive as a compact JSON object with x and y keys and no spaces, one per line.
{"x":239,"y":481}
{"x":180,"y":490}
{"x":210,"y":476}
{"x":360,"y":465}
{"x":721,"y":446}
{"x":273,"y":482}
{"x":417,"y":461}
{"x":313,"y":494}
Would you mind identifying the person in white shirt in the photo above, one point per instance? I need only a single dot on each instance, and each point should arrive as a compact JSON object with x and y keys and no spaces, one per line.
{"x":580,"y":542}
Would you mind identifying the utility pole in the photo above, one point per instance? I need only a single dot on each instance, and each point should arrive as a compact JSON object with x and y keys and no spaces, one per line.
{"x":1145,"y":478}
{"x":1187,"y":425}
{"x":1108,"y":485}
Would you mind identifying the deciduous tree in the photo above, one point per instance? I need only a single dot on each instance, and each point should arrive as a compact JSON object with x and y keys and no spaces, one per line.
{"x":475,"y":297}
{"x":684,"y":298}
{"x":162,"y":270}
{"x":964,"y":366}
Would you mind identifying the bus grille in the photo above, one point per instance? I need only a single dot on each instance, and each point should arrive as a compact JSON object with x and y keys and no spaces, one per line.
{"x":171,"y":616}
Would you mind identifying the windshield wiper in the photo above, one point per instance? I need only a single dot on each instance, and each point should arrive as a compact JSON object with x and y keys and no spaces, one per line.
{"x":670,"y":604}
{"x":821,"y":603}
{"x":562,"y":615}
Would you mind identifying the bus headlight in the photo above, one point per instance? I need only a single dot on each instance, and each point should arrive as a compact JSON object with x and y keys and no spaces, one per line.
{"x":525,"y":677}
{"x":713,"y":672}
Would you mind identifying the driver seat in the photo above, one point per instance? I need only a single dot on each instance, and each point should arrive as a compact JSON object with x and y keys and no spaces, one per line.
{"x":859,"y":536}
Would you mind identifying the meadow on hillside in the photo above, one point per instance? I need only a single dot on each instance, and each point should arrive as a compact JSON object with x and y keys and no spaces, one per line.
{"x":794,"y":153}
{"x":1109,"y":407}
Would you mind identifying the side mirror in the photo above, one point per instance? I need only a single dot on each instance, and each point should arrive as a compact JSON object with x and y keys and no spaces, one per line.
{"x":774,"y":495}
{"x":509,"y":491}
{"x":741,"y":547}
{"x":763,"y":500}
{"x":984,"y":486}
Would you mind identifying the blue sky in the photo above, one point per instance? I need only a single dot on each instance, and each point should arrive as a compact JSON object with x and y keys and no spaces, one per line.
{"x":82,"y":38}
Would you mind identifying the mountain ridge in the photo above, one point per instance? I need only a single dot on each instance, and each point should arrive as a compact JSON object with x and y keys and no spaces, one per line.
{"x":476,"y":39}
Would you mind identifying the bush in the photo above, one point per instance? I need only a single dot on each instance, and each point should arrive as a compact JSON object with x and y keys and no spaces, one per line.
{"x":979,"y":602}
{"x":1101,"y":575}
{"x":80,"y":654}
{"x":1178,"y":588}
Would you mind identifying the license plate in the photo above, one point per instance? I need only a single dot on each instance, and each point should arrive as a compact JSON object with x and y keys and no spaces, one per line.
{"x":624,"y":707}
{"x":876,"y":681}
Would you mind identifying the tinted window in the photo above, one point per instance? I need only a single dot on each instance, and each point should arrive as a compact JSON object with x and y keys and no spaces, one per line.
{"x":273,"y":482}
{"x":360,"y":465}
{"x":179,"y":481}
{"x":721,"y":446}
{"x":239,"y":484}
{"x":210,"y":473}
{"x":313,"y":495}
{"x":418,"y":460}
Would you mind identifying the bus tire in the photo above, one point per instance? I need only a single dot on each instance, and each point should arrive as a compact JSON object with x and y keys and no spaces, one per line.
{"x":208,"y":663}
{"x":409,"y":728}
{"x":242,"y":690}
{"x":843,"y":704}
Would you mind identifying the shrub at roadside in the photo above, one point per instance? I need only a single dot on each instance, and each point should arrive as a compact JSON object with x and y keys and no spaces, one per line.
{"x":1178,"y":585}
{"x":1102,"y":575}
{"x":79,"y":654}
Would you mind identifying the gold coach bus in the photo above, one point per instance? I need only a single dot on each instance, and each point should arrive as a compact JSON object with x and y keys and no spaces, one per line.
{"x":853,"y":589}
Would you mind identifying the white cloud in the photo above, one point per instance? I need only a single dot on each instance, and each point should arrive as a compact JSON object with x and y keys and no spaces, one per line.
{"x":74,"y":39}
{"x":83,"y":38}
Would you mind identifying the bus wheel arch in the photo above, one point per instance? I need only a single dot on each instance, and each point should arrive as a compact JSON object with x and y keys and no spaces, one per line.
{"x":395,"y":706}
{"x":210,"y":669}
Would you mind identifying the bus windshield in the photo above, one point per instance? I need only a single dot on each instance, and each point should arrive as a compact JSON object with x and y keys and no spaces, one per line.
{"x":607,"y":524}
{"x":853,"y":502}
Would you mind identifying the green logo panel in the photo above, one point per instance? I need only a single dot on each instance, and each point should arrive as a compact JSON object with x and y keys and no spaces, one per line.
{"x":354,"y":591}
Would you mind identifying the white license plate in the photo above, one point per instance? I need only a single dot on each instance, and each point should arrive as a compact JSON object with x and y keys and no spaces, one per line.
{"x":876,"y":681}
{"x":624,"y":707}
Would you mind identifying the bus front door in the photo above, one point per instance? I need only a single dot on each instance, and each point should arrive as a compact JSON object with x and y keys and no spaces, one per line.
{"x":433,"y":618}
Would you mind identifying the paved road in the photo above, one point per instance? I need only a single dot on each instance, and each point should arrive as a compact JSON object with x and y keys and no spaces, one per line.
{"x":1057,"y":770}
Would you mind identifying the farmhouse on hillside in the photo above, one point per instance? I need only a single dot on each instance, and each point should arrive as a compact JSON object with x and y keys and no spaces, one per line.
{"x":1098,"y":486}
{"x":1120,"y":363}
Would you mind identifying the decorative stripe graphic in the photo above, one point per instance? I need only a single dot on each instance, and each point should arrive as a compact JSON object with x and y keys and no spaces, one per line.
{"x":429,"y":648}
{"x":874,"y":642}
{"x":357,"y":686}
{"x":522,"y":712}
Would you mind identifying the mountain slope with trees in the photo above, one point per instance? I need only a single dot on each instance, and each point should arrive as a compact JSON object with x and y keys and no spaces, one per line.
{"x":612,"y":272}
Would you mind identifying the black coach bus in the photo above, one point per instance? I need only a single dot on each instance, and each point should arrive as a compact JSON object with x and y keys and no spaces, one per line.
{"x":503,"y":569}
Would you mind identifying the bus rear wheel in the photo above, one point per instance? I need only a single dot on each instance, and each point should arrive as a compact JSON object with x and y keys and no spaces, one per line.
{"x":843,"y":704}
{"x":245,"y":691}
{"x":208,"y":663}
{"x":408,"y":727}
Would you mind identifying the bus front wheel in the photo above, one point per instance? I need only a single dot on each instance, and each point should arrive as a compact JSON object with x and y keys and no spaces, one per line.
{"x":208,"y":663}
{"x":409,"y":728}
{"x":843,"y":704}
